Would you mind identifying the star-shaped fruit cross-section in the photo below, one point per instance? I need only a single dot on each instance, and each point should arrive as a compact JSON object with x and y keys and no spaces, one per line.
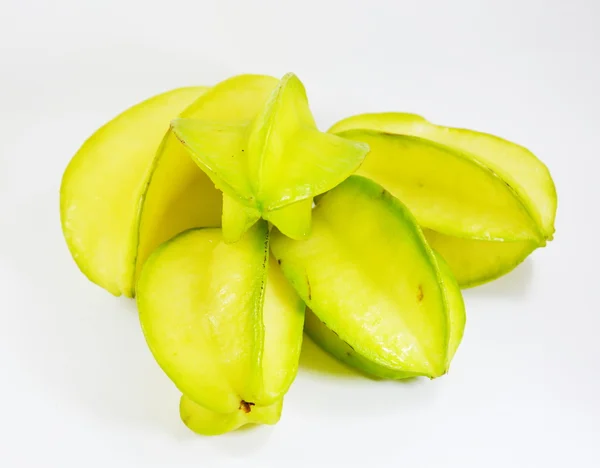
{"x":271,"y":165}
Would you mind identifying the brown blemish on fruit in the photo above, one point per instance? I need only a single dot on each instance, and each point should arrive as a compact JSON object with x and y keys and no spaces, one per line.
{"x":181,"y":140}
{"x":278,"y":261}
{"x":309,"y":288}
{"x":246,"y":406}
{"x":420,"y":293}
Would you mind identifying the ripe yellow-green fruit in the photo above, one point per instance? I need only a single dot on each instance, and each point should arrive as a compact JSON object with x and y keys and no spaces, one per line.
{"x":475,"y":262}
{"x":485,"y":203}
{"x":207,"y":422}
{"x":382,"y":300}
{"x":517,"y":166}
{"x":272,"y":162}
{"x":105,"y":186}
{"x":235,"y":99}
{"x":221,"y":320}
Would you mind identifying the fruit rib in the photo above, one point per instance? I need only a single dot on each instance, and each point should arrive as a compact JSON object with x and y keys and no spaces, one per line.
{"x":103,"y":183}
{"x":221,"y":321}
{"x":472,"y":217}
{"x":273,"y":159}
{"x":522,"y":171}
{"x":235,"y":99}
{"x":206,"y":422}
{"x":474,"y":262}
{"x":334,"y":345}
{"x":368,"y":273}
{"x":445,"y":190}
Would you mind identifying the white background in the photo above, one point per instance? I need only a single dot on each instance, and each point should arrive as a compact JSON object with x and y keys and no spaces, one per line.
{"x":78,"y":387}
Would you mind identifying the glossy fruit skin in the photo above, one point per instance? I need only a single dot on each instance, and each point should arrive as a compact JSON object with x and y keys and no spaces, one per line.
{"x":455,"y":306}
{"x":221,"y":321}
{"x":104,"y":182}
{"x":334,"y":345}
{"x":272,"y":163}
{"x":330,"y":342}
{"x":475,"y":262}
{"x":167,"y":208}
{"x":476,"y":251}
{"x":446,"y":191}
{"x":233,"y":100}
{"x":209,"y":423}
{"x":522,"y":170}
{"x":368,"y":273}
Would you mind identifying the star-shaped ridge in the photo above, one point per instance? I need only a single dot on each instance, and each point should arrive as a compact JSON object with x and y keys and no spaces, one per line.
{"x":270,"y":165}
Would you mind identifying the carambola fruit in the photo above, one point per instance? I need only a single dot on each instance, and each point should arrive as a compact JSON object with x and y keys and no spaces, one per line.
{"x":271,"y":160}
{"x":470,"y":190}
{"x":382,"y":300}
{"x":200,"y":202}
{"x":223,"y":324}
{"x":118,"y":199}
{"x":206,"y":422}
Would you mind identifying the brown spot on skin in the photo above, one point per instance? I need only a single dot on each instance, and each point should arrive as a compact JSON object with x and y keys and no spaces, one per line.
{"x":335,"y":333}
{"x":420,"y":293}
{"x":279,"y":261}
{"x":181,"y":140}
{"x":309,"y":288}
{"x":246,"y":406}
{"x":348,"y":353}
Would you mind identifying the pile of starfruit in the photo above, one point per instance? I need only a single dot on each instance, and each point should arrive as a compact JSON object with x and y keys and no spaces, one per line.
{"x":237,"y":224}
